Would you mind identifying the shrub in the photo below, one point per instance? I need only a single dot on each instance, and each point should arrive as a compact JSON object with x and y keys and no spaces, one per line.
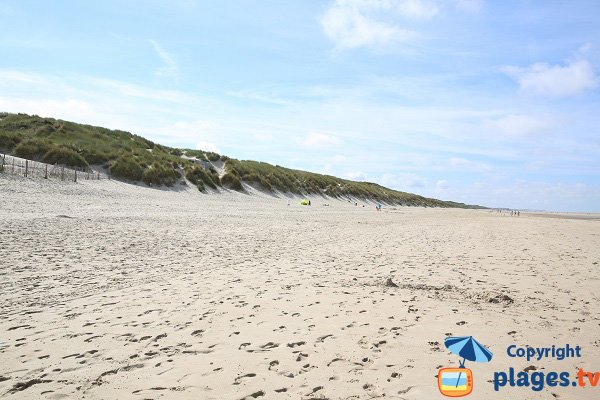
{"x":157,"y":174}
{"x":66,"y":156}
{"x":213,"y":156}
{"x":8,"y":141}
{"x":231,"y":181}
{"x":93,"y":156}
{"x":44,"y":130}
{"x":202,"y":178}
{"x":33,"y":149}
{"x":126,"y":168}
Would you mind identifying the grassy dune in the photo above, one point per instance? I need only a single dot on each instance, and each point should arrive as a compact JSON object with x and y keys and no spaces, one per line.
{"x":134,"y":158}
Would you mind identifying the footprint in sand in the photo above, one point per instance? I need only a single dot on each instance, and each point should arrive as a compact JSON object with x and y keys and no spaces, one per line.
{"x":239,"y":378}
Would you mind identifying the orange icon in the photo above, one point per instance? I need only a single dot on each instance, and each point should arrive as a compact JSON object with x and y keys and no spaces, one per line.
{"x":455,"y":382}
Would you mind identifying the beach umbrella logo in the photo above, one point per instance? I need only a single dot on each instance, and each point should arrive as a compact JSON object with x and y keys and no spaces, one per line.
{"x":458,"y":382}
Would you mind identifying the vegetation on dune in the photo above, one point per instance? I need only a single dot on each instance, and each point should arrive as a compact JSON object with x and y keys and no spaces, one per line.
{"x":126,"y":168}
{"x":64,"y":155}
{"x":275,"y":178}
{"x":232,"y":181}
{"x":203,"y":178}
{"x":33,"y":149}
{"x":157,"y":174}
{"x":8,"y":141}
{"x":134,"y":158}
{"x":127,"y":156}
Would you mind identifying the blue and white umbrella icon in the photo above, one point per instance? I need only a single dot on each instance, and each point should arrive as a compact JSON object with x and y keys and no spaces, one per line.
{"x":469,"y":349}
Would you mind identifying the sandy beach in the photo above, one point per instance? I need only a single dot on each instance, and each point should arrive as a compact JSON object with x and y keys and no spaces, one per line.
{"x":114,"y":291}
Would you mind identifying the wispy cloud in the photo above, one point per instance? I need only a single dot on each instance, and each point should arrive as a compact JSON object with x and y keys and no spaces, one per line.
{"x":170,"y":68}
{"x":356,"y":23}
{"x":381,"y":24}
{"x":559,"y":80}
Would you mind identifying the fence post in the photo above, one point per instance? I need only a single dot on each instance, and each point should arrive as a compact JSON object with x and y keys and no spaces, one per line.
{"x":75,"y":176}
{"x":98,"y":175}
{"x":2,"y":167}
{"x":26,"y":167}
{"x":46,"y":175}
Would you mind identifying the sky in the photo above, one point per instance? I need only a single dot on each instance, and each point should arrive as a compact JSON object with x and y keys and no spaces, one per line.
{"x":485,"y":102}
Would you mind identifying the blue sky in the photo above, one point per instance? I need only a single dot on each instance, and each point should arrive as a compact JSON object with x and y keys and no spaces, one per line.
{"x":488,"y":102}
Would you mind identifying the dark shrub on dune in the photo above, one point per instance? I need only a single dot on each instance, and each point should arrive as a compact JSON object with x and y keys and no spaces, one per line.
{"x":203,"y":178}
{"x":8,"y":141}
{"x":126,"y":168}
{"x":231,"y":181}
{"x":33,"y":149}
{"x":158,"y":174}
{"x":94,"y":156}
{"x":213,"y":156}
{"x":63,"y":155}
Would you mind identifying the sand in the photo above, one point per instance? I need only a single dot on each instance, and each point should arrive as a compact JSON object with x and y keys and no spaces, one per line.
{"x":113,"y":291}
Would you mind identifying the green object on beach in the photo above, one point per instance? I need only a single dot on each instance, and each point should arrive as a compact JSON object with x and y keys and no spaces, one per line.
{"x":304,"y":202}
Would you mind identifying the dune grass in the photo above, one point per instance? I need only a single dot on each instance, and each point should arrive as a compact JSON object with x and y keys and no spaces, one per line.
{"x":203,"y":178}
{"x":134,"y":158}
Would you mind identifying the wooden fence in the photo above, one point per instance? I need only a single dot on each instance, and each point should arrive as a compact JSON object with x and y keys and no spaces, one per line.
{"x":35,"y":169}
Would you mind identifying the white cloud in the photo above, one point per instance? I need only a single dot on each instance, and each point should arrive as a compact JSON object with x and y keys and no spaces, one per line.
{"x":206,"y":146}
{"x":356,"y":23}
{"x":417,"y":9}
{"x":170,"y":69}
{"x":517,"y":125}
{"x":355,"y":175}
{"x":572,"y":78}
{"x":68,"y":109}
{"x":319,"y":140}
